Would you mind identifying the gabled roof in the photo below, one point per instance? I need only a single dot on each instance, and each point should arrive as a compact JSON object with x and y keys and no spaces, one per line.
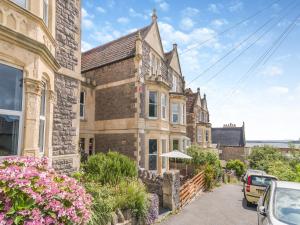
{"x":116,"y":50}
{"x":229,"y":136}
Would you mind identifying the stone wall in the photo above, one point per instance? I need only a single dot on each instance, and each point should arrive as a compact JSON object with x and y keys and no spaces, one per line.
{"x":113,"y":72}
{"x":123,"y":143}
{"x":231,"y":153}
{"x":153,"y":182}
{"x":115,"y":102}
{"x":142,"y":162}
{"x":68,"y":33}
{"x":64,"y":138}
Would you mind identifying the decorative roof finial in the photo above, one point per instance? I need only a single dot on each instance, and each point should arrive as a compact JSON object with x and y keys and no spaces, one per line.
{"x":174,"y":46}
{"x":139,"y":36}
{"x":154,"y":16}
{"x":198,"y":90}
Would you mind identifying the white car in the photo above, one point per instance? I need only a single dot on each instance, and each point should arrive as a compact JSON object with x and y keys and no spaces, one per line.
{"x":280,"y":204}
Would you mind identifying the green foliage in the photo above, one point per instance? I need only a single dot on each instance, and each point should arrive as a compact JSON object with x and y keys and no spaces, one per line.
{"x":132,"y":195}
{"x":207,"y":160}
{"x":110,"y":168}
{"x":273,"y":162}
{"x":238,"y":166}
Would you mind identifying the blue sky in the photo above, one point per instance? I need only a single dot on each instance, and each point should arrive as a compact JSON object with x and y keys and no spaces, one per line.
{"x":266,"y":99}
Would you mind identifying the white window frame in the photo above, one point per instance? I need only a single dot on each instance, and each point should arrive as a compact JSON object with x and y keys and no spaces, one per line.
{"x":83,"y":105}
{"x":177,"y":113}
{"x":155,"y":104}
{"x":156,"y":154}
{"x":43,"y":118}
{"x":164,"y":150}
{"x":164,"y":105}
{"x":46,"y":12}
{"x":19,"y":114}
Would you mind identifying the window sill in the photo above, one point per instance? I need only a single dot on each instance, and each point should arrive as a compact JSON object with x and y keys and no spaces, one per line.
{"x":152,"y":118}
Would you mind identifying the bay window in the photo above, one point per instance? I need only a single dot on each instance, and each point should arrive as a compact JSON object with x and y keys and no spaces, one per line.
{"x":152,"y":154}
{"x":152,"y":104}
{"x":164,"y":150}
{"x":11,"y":94}
{"x":42,"y":127}
{"x":163,"y":106}
{"x":175,"y":113}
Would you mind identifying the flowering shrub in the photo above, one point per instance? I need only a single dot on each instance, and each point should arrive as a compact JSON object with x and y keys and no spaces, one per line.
{"x":153,"y":210}
{"x":31,"y":193}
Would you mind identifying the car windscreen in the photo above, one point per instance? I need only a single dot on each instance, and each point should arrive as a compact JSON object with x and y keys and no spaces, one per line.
{"x":287,"y":205}
{"x":261,"y":180}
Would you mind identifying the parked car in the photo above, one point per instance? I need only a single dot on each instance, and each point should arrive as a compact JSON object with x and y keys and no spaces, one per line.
{"x":280,"y":204}
{"x":255,"y":183}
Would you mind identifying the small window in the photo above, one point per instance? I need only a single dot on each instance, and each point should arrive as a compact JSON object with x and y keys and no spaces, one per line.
{"x":21,"y":3}
{"x":152,"y":154}
{"x":82,"y":105}
{"x":46,"y":11}
{"x":42,"y":126}
{"x":175,"y":113}
{"x":174,"y":88}
{"x":152,"y":104}
{"x":163,"y":106}
{"x":207,"y":136}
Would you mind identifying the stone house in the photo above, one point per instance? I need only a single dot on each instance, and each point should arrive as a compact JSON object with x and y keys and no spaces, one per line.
{"x":132,"y":99}
{"x":198,"y":125}
{"x":231,"y":141}
{"x":40,"y":80}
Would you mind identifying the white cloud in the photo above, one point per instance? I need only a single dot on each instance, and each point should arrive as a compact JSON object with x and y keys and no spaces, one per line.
{"x":163,"y":5}
{"x":133,"y":13}
{"x":87,"y":23}
{"x":236,"y":6}
{"x":100,"y":9}
{"x":189,"y":12}
{"x":214,"y":8}
{"x":277,"y":90}
{"x":105,"y":34}
{"x":186,"y":23}
{"x":272,"y":71}
{"x":219,"y":22}
{"x":123,"y":20}
{"x":85,"y":46}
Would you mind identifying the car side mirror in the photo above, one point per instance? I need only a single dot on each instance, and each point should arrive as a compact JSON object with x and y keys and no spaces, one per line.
{"x":262,"y":210}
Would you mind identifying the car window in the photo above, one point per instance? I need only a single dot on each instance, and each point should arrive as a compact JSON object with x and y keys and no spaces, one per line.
{"x":261,"y":180}
{"x":287,"y":205}
{"x":267,"y":198}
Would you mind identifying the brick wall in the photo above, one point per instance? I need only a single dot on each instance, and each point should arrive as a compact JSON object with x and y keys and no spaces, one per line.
{"x":68,"y":33}
{"x":114,"y":72}
{"x":115,"y":102}
{"x":123,"y":143}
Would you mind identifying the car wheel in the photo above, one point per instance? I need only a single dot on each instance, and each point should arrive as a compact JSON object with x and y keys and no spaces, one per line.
{"x":248,"y":204}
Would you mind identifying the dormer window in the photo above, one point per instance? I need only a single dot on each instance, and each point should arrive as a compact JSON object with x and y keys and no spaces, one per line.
{"x":21,"y":3}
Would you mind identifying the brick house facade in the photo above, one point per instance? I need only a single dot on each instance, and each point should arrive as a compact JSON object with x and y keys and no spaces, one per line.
{"x":40,"y":80}
{"x":198,"y":125}
{"x":127,"y":98}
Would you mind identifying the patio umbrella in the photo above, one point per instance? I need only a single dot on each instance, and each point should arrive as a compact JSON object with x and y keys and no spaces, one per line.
{"x":176,"y":155}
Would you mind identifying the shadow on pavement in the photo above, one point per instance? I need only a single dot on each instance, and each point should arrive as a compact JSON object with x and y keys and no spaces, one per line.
{"x":244,"y":204}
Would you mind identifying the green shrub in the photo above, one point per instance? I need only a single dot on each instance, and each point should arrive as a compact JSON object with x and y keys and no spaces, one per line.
{"x":209,"y":180}
{"x":110,"y":168}
{"x":132,"y":195}
{"x":238,"y":166}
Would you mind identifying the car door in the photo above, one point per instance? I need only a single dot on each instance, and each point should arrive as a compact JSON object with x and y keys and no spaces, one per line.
{"x":263,"y":219}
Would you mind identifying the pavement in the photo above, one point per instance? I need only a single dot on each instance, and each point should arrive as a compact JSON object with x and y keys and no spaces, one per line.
{"x":225,"y":205}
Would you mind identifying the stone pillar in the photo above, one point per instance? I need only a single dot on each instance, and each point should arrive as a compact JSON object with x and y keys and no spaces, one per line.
{"x":171,"y":189}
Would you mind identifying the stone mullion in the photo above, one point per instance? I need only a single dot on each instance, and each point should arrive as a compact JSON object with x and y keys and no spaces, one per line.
{"x":31,"y":117}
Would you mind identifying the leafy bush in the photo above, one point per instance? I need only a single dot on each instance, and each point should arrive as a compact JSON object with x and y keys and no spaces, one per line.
{"x":132,"y":195}
{"x":238,"y":166}
{"x":32,"y":193}
{"x":208,"y":161}
{"x":109,"y":168}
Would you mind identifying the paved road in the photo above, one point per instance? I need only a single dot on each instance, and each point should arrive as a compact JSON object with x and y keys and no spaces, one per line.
{"x":223,"y":206}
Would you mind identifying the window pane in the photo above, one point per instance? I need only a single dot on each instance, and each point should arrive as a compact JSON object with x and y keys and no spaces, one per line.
{"x":11,"y":86}
{"x":164,"y":150}
{"x":152,"y":162}
{"x":43,"y":101}
{"x":152,"y":97}
{"x":81,"y":110}
{"x":9,"y":134}
{"x":152,"y":154}
{"x":152,"y":146}
{"x":175,"y":144}
{"x":21,"y":3}
{"x":82,"y":97}
{"x":41,"y":135}
{"x":175,"y":118}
